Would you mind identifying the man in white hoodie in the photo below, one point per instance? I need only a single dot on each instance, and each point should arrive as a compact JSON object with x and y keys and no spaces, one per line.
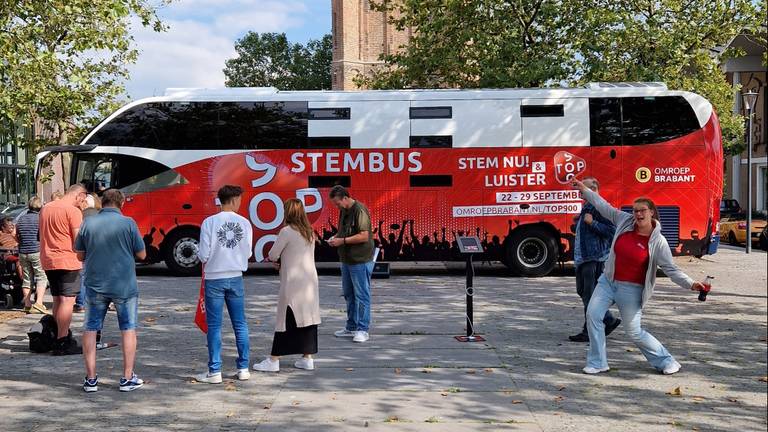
{"x":226,"y":243}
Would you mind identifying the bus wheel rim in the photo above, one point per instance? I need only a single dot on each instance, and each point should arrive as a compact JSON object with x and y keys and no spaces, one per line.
{"x":532,"y":252}
{"x":185,"y":252}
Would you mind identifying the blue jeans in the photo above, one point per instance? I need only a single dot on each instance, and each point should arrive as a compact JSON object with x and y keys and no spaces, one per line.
{"x":96,"y":309}
{"x":80,"y":299}
{"x":628,"y":297}
{"x":356,"y":286}
{"x":587,"y":274}
{"x":217,"y":293}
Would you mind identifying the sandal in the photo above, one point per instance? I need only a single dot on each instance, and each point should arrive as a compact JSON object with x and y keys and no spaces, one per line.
{"x":38,"y":309}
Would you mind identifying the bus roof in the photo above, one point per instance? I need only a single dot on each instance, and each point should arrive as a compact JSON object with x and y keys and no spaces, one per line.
{"x":272,"y":93}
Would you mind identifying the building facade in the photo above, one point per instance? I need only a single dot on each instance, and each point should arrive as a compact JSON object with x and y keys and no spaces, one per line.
{"x":16,"y":178}
{"x":361,"y":35}
{"x":749,"y":73}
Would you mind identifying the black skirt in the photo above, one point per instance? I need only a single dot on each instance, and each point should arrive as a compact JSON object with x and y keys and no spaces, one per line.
{"x":294,"y":340}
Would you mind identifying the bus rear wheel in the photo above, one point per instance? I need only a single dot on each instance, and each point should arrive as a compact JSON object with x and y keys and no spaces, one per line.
{"x":532,"y":251}
{"x":180,"y":252}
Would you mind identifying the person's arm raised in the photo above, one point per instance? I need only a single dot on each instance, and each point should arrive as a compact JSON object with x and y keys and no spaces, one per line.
{"x":608,"y":211}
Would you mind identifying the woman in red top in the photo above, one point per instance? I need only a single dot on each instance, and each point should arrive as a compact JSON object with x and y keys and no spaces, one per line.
{"x":628,"y":280}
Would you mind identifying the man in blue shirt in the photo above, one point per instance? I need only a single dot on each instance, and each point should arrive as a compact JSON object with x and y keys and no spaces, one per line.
{"x":594,"y":235}
{"x":109,"y":243}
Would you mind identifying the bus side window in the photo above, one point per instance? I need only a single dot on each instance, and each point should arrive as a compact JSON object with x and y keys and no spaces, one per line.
{"x":94,"y":172}
{"x":262,"y":125}
{"x":336,"y":142}
{"x":605,"y":121}
{"x":431,"y":141}
{"x":131,"y":128}
{"x":650,"y":120}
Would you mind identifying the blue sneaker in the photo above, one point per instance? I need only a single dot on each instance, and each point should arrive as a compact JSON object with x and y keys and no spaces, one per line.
{"x":91,"y":385}
{"x":131,"y":384}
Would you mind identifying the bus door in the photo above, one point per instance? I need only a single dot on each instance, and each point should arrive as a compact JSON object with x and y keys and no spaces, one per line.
{"x":54,"y":166}
{"x":605,"y":143}
{"x":101,"y":171}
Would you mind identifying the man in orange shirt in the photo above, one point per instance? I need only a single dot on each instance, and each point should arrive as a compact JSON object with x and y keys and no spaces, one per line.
{"x":59,"y":224}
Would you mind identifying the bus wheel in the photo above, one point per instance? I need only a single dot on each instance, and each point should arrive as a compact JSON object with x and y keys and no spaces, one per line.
{"x":532,"y":251}
{"x":180,"y":252}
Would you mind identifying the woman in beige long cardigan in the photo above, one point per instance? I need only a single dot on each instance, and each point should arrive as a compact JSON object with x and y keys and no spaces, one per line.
{"x":298,"y":304}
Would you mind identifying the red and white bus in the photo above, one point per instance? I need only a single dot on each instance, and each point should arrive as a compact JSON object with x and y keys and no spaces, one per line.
{"x":430,"y":165}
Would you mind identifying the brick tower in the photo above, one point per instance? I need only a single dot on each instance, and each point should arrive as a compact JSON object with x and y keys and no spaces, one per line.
{"x":360,"y":36}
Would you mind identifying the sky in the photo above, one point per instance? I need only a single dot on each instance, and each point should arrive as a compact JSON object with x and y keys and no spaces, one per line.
{"x":202,"y":35}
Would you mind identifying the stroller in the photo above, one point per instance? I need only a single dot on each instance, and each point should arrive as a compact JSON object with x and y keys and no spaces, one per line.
{"x":10,"y":283}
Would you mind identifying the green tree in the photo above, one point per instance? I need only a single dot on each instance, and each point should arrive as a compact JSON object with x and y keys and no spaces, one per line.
{"x":63,"y":62}
{"x":674,"y":41}
{"x":269,"y":59}
{"x":537,"y":43}
{"x":480,"y":43}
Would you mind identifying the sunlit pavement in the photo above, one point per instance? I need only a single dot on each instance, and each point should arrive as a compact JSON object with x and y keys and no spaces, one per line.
{"x":412,"y":375}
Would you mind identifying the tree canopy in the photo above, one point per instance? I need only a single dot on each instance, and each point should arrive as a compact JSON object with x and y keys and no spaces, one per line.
{"x":270,"y":60}
{"x":539,"y":43}
{"x":63,"y":62}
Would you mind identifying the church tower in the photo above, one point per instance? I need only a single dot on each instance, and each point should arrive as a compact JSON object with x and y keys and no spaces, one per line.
{"x":360,"y":36}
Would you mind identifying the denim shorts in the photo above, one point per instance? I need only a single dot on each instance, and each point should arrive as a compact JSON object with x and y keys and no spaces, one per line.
{"x":98,"y":304}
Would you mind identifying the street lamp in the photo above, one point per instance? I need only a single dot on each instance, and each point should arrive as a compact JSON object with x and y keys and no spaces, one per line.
{"x":749,"y":98}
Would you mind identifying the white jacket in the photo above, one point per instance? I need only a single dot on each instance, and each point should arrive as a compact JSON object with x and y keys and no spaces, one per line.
{"x":659,"y":254}
{"x":226,"y":243}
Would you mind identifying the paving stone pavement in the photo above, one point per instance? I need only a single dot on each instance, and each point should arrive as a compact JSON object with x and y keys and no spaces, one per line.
{"x":412,"y":375}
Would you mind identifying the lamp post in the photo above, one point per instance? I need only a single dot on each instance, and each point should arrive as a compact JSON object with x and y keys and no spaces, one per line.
{"x":749,"y":98}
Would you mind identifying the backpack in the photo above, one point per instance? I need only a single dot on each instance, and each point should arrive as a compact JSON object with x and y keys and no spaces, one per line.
{"x":42,"y":336}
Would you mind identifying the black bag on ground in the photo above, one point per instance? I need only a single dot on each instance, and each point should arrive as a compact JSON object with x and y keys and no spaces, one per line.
{"x":42,"y":336}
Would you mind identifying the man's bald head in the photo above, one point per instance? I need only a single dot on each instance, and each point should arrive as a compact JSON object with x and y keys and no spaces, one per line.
{"x":76,"y":189}
{"x":77,"y":194}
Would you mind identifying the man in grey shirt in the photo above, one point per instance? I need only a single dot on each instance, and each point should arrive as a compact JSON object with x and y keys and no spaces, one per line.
{"x":109,"y":243}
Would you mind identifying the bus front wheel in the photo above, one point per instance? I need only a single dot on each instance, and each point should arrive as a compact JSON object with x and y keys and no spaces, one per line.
{"x":532,"y":251}
{"x":180,"y":252}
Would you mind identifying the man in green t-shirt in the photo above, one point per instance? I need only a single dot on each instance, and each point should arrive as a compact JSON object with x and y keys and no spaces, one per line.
{"x":355,"y":245}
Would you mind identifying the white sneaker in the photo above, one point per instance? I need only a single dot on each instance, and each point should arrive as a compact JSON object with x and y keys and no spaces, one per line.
{"x":267,"y":365}
{"x":305,"y":363}
{"x":672,"y":368}
{"x":210,"y":378}
{"x":243,"y":374}
{"x":593,"y":371}
{"x":360,"y":336}
{"x":344,"y":333}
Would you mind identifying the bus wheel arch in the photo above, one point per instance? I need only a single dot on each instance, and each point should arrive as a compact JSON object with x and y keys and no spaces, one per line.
{"x":533,"y":249}
{"x":179,"y":250}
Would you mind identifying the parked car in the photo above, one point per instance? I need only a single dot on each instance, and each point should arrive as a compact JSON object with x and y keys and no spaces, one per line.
{"x":763,"y":239}
{"x":729,"y":207}
{"x":734,"y":228}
